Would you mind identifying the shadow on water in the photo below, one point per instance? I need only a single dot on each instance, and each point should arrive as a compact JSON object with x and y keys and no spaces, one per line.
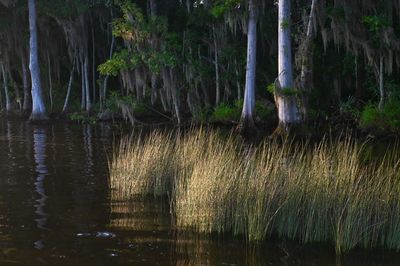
{"x":55,"y":209}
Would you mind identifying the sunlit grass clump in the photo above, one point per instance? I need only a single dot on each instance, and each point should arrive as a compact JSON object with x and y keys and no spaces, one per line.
{"x":143,"y":166}
{"x":323,"y":192}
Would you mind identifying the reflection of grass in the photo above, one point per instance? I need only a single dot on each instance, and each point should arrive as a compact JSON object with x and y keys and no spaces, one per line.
{"x":323,"y":193}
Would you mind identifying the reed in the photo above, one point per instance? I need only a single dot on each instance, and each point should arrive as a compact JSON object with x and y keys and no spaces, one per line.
{"x":323,"y":192}
{"x":143,"y":165}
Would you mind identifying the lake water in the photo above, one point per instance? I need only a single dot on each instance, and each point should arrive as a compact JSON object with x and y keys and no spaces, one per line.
{"x":55,"y":209}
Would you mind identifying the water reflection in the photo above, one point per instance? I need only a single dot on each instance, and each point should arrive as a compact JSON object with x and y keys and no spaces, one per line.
{"x":88,"y":146}
{"x":54,"y":193}
{"x":39,"y":148}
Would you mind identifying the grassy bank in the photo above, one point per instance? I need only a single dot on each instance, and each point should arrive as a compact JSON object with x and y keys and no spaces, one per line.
{"x":324,"y":192}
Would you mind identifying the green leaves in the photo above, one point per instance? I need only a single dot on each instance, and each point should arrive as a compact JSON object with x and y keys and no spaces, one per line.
{"x":375,"y":23}
{"x":223,"y":6}
{"x":122,"y":60}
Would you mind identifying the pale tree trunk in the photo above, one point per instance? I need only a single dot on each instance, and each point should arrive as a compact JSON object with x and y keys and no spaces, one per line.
{"x":285,"y":94}
{"x":38,"y":107}
{"x":27,"y":105}
{"x":88,"y":103}
{"x":83,"y":89}
{"x":93,"y":67}
{"x":216,"y":67}
{"x":153,"y":7}
{"x":239,"y":89}
{"x":17,"y":94}
{"x":175,"y":97}
{"x":381,"y":85}
{"x":247,"y":120}
{"x":189,"y":6}
{"x":5,"y":84}
{"x":71,"y":78}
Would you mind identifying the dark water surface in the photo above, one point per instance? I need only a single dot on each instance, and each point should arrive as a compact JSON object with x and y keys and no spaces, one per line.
{"x":55,"y":210}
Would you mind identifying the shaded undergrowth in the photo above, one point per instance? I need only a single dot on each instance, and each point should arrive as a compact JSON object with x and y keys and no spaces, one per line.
{"x":320,"y":192}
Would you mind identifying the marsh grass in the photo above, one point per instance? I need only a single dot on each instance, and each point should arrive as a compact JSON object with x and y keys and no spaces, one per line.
{"x":320,"y":192}
{"x":143,"y":165}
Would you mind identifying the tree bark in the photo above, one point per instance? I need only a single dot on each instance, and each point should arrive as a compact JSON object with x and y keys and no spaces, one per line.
{"x":83,"y":89}
{"x":5,"y":84}
{"x":307,"y":54}
{"x":103,"y":93}
{"x":285,"y":93}
{"x":247,"y":120}
{"x":50,"y":83}
{"x":27,"y":105}
{"x":88,"y":103}
{"x":71,"y":78}
{"x":153,"y":7}
{"x":381,"y":85}
{"x":93,"y":67}
{"x":216,"y":67}
{"x":38,"y":107}
{"x":175,"y":97}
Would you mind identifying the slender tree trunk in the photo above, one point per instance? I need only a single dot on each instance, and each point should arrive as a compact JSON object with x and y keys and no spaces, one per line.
{"x":71,"y":78}
{"x":17,"y":94}
{"x":247,"y":120}
{"x":153,"y":88}
{"x":38,"y":107}
{"x":50,"y":82}
{"x":285,"y":94}
{"x":307,"y":54}
{"x":5,"y":84}
{"x":239,"y":89}
{"x":27,"y":105}
{"x":153,"y":7}
{"x":189,"y":6}
{"x":216,"y":67}
{"x":381,"y":85}
{"x":359,"y":71}
{"x":93,"y":67}
{"x":83,"y":89}
{"x":105,"y":81}
{"x":88,"y":103}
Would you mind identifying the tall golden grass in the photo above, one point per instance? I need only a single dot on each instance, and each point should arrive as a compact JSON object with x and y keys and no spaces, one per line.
{"x":323,"y":192}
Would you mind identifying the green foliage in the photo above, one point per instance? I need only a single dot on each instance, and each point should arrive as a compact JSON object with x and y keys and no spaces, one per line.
{"x":349,"y":107}
{"x":290,"y":91}
{"x":83,"y":118}
{"x":271,"y":88}
{"x":336,"y":12}
{"x":115,"y":98}
{"x":140,"y":31}
{"x":314,"y":114}
{"x":223,"y":6}
{"x":122,"y":60}
{"x":226,"y":113}
{"x":203,"y":115}
{"x":231,"y":112}
{"x":387,"y":119}
{"x":375,"y":23}
{"x":263,"y":110}
{"x":285,"y":24}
